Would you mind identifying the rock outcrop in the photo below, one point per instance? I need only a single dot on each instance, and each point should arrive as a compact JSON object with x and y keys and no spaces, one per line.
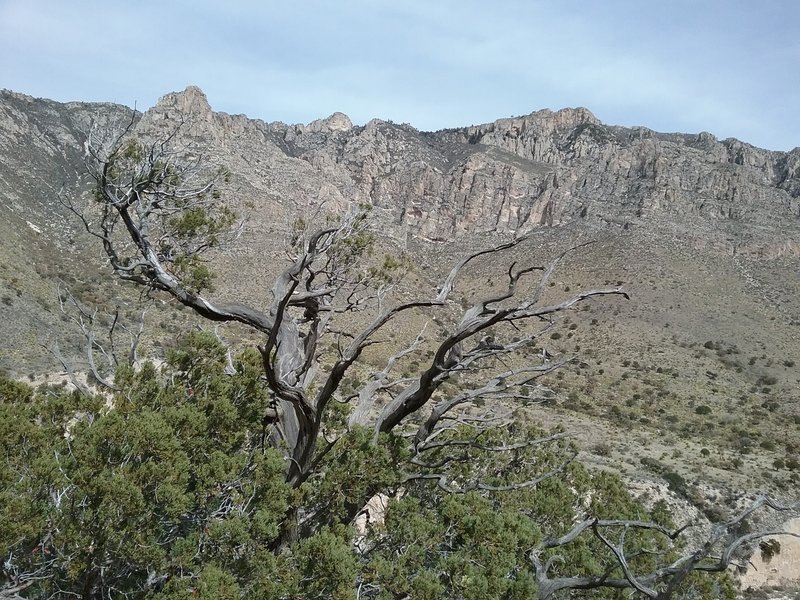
{"x":544,"y":169}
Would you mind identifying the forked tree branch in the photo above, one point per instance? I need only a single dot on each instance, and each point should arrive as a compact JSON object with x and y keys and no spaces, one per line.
{"x":107,"y":351}
{"x":716,"y":554}
{"x":444,"y":481}
{"x":144,"y":192}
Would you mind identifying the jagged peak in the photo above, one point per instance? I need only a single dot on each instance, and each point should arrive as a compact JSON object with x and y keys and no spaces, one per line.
{"x":565,"y":117}
{"x":580,"y":112}
{"x":338,"y":121}
{"x":192,"y":100}
{"x":374,"y":123}
{"x":17,"y":95}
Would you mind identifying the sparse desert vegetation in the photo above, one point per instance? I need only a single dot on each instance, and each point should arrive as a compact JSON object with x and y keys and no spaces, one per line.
{"x":685,"y":394}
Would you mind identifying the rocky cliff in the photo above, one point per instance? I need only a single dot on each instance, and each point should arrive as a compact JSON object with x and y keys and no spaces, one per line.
{"x":543,"y":169}
{"x":549,"y":170}
{"x":546,"y":168}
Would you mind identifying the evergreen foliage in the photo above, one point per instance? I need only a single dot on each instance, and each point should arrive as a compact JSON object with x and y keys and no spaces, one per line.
{"x":167,"y":490}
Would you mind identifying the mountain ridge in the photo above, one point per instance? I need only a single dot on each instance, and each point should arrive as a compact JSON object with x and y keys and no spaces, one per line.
{"x":546,"y":170}
{"x":543,"y":168}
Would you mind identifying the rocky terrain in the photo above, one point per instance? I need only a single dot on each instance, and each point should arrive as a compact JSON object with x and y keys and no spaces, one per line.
{"x":693,"y":382}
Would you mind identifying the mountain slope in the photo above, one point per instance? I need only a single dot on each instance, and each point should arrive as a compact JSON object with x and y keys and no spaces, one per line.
{"x":704,"y":234}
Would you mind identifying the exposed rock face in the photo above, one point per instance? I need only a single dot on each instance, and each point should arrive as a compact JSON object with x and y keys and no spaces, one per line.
{"x":551,"y":168}
{"x":543,"y":169}
{"x":546,"y":168}
{"x":336,"y":122}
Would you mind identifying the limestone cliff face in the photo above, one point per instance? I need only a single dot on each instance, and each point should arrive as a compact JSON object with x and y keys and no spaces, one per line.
{"x":544,"y":169}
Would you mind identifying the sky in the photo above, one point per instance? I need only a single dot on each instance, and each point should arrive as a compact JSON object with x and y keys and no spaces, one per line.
{"x":730,"y":67}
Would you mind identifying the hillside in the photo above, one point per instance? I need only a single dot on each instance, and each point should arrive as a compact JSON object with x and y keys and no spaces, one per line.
{"x":697,"y":373}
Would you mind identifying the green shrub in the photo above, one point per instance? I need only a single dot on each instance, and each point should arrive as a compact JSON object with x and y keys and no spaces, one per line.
{"x":675,"y":482}
{"x":768,"y":445}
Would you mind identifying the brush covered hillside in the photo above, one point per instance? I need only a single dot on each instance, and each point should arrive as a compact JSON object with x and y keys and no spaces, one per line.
{"x":693,"y":383}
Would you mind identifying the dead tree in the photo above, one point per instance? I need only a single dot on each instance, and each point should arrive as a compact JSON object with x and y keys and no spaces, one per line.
{"x":716,"y":554}
{"x":109,"y":341}
{"x":156,"y":212}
